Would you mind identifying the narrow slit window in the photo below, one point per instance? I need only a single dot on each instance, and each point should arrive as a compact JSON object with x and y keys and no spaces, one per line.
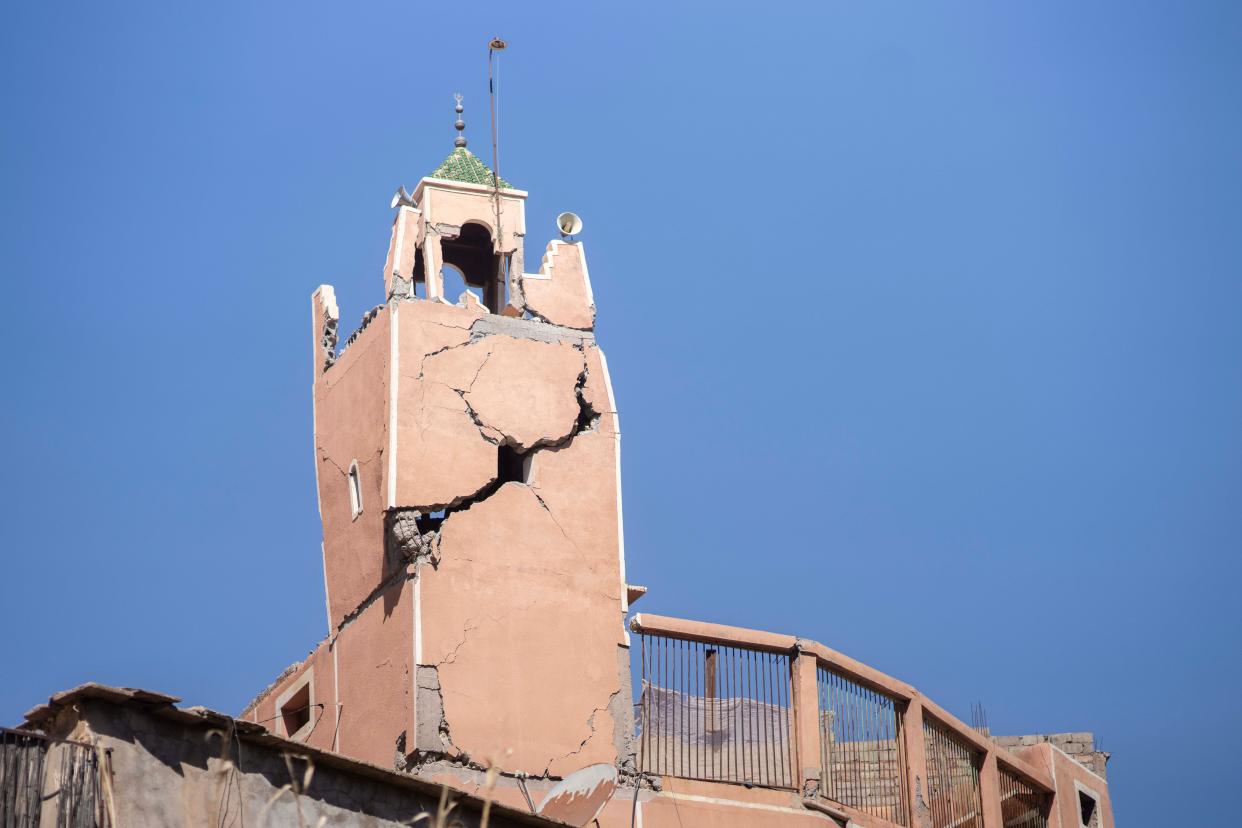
{"x":355,"y":490}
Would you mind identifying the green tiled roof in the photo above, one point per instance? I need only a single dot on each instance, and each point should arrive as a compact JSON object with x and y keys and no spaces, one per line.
{"x":462,"y":165}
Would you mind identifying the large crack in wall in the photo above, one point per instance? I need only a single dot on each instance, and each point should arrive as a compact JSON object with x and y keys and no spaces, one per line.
{"x":413,"y":530}
{"x":481,"y":401}
{"x":526,"y":388}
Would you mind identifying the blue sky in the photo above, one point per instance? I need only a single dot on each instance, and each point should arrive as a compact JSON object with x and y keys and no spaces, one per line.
{"x":925,"y":321}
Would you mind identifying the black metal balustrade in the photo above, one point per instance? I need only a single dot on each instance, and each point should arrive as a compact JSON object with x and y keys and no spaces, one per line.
{"x":952,"y":778}
{"x":863,"y":757}
{"x":715,"y":712}
{"x":1022,"y":806}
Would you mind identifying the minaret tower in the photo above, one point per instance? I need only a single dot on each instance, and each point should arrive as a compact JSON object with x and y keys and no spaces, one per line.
{"x":467,"y":454}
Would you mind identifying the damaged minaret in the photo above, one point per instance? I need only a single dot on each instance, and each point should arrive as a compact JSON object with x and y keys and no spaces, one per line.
{"x":467,"y":453}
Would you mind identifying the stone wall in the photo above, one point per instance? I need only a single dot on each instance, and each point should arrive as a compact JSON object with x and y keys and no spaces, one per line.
{"x":164,"y":766}
{"x":1080,"y":746}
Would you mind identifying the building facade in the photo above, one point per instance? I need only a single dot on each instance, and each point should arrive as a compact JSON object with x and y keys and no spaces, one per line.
{"x":467,"y":455}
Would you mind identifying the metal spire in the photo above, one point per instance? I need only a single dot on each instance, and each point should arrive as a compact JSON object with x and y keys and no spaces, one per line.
{"x":460,"y":140}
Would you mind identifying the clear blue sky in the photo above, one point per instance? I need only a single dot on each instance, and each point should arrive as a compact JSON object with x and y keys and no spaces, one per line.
{"x":925,"y":321}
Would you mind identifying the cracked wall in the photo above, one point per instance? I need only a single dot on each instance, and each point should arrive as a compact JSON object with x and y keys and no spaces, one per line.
{"x":475,"y":602}
{"x":526,"y":588}
{"x":561,"y":291}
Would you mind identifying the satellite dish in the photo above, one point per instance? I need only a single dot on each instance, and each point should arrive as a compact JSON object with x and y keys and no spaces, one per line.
{"x":580,"y":797}
{"x":402,"y":197}
{"x":569,"y":224}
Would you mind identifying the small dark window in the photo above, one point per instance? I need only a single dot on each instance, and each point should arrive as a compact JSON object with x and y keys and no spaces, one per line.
{"x":1086,"y":803}
{"x":295,"y":712}
{"x":512,"y":467}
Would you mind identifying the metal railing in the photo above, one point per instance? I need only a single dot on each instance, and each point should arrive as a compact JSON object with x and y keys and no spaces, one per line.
{"x":726,"y":704}
{"x":952,"y":778}
{"x":862,"y":754}
{"x":715,"y":712}
{"x":48,"y":782}
{"x":1022,"y":806}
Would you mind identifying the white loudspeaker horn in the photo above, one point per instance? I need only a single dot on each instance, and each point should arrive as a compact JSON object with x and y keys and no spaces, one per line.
{"x":568,"y":224}
{"x":402,"y":197}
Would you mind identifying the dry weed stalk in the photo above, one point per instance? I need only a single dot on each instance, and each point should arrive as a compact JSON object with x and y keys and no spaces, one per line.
{"x":295,"y":788}
{"x":447,"y":805}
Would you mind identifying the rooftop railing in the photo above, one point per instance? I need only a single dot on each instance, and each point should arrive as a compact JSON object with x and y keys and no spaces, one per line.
{"x":715,"y":712}
{"x":725,"y":704}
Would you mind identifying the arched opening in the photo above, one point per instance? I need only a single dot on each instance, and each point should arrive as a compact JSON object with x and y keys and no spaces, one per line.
{"x":455,"y":284}
{"x":472,"y":255}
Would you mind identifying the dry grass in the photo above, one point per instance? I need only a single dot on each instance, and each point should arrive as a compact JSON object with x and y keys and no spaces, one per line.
{"x":298,"y":784}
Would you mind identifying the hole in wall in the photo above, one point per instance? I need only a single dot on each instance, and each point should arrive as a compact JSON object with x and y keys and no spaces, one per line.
{"x":511,"y":466}
{"x":430,"y":522}
{"x":1087,"y":809}
{"x":295,"y":712}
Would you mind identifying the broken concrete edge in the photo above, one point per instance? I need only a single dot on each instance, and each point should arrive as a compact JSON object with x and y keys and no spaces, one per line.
{"x":367,"y":319}
{"x":837,"y":813}
{"x":164,"y":706}
{"x":485,"y":323}
{"x":433,"y":743}
{"x":323,"y":303}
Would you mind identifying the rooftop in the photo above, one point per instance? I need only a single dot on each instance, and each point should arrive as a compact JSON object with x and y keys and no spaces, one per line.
{"x":463,"y":165}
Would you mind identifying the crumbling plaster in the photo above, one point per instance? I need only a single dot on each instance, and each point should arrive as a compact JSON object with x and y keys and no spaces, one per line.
{"x":462,"y":385}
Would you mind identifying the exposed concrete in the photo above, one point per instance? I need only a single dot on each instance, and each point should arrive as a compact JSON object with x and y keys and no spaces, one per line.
{"x":621,"y":709}
{"x":432,"y":736}
{"x":406,"y":541}
{"x":407,"y":237}
{"x":529,"y":329}
{"x":367,"y":318}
